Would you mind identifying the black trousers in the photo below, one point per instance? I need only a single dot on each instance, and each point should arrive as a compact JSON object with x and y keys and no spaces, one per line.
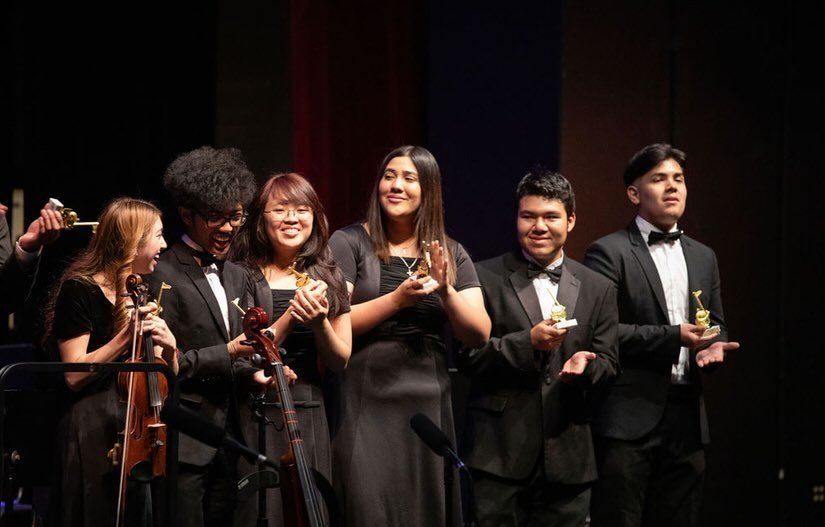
{"x":502,"y":502}
{"x":657,"y":480}
{"x":206,"y":495}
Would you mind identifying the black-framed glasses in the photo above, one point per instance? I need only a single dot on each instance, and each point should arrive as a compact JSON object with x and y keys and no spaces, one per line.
{"x":216,"y":221}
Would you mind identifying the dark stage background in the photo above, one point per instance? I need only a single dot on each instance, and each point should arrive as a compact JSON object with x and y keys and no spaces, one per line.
{"x":95,"y":102}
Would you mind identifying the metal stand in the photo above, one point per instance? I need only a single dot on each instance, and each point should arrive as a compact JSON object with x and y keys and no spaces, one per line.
{"x":101,"y":367}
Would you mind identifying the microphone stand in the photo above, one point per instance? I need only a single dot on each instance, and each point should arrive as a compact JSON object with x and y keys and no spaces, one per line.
{"x":265,"y":479}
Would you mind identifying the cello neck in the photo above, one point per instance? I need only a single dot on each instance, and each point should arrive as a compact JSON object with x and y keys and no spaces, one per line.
{"x":296,"y":442}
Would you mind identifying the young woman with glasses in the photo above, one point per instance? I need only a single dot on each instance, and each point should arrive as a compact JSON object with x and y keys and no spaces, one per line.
{"x":284,"y":246}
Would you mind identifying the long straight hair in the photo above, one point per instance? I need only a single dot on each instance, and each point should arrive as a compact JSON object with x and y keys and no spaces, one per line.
{"x":252,"y":245}
{"x":124,"y":227}
{"x":429,"y":219}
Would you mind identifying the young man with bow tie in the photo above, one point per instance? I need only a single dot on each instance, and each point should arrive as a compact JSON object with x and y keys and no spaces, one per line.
{"x":650,"y":427}
{"x":211,"y":188}
{"x":527,"y":438}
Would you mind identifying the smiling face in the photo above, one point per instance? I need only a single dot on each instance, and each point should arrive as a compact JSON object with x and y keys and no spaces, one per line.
{"x":288,"y":225}
{"x":660,"y":194}
{"x":542,"y":227}
{"x":399,"y":190}
{"x":149,"y":252}
{"x":214,"y":240}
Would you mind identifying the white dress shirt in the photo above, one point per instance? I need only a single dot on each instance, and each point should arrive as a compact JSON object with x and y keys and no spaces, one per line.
{"x":546,"y":290}
{"x":211,"y":273}
{"x":670,"y":262}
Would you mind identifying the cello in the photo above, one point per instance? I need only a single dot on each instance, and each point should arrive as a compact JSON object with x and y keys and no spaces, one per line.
{"x":300,"y":497}
{"x":144,"y":434}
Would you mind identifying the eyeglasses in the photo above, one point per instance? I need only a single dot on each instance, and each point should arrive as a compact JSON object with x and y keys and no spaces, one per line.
{"x":216,"y":221}
{"x":280,"y":213}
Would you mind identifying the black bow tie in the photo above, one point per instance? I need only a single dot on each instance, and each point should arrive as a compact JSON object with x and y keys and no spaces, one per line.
{"x":209,"y":259}
{"x":534,"y":270}
{"x":658,"y":237}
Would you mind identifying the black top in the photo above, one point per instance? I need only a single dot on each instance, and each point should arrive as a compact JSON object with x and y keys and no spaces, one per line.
{"x":300,"y":343}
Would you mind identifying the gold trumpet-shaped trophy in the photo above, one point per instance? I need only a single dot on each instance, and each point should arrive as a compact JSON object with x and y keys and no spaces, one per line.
{"x":703,"y":318}
{"x":70,"y":219}
{"x":301,"y":279}
{"x":558,"y":313}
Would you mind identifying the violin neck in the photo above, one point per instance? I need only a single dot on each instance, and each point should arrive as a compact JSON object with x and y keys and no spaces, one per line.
{"x":155,"y":400}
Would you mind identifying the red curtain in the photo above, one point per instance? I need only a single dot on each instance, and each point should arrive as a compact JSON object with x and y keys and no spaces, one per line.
{"x":357,"y":92}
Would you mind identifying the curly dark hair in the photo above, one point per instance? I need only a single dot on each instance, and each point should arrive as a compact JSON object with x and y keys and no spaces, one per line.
{"x":210,"y":179}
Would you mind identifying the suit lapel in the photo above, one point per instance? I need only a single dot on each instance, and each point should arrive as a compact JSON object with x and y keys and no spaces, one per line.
{"x":234,"y":284}
{"x":195,"y":274}
{"x":524,"y":289}
{"x":692,"y":270}
{"x":642,"y":254}
{"x":568,"y":290}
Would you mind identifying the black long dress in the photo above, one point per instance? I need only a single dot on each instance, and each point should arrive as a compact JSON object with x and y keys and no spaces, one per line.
{"x":302,"y":357}
{"x":89,"y":428}
{"x":384,"y":474}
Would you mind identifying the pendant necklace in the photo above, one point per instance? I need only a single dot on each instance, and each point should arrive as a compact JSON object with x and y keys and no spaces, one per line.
{"x":409,"y":267}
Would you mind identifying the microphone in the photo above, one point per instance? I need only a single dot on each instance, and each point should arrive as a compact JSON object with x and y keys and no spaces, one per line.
{"x":208,"y":433}
{"x":434,"y":438}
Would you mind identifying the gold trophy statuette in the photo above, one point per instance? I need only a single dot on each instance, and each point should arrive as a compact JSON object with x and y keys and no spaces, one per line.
{"x":70,"y":219}
{"x":424,"y":266}
{"x":558,"y":314}
{"x":301,"y":279}
{"x":703,"y":317}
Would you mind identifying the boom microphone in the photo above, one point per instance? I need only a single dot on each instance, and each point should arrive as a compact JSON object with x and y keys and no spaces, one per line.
{"x":208,"y":433}
{"x":434,"y":438}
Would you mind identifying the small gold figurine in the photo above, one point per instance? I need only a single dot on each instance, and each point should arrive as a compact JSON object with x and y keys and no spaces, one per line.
{"x":558,"y":313}
{"x":703,"y":317}
{"x":301,"y":279}
{"x":163,"y":287}
{"x":70,"y":219}
{"x":425,"y":262}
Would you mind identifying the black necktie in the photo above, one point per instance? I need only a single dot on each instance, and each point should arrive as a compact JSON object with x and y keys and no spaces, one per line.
{"x":534,"y":270}
{"x":658,"y":237}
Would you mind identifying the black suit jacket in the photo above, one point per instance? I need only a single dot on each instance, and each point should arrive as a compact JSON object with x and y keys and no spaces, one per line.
{"x":648,"y":344}
{"x":518,"y":408}
{"x":207,"y":375}
{"x":15,"y":284}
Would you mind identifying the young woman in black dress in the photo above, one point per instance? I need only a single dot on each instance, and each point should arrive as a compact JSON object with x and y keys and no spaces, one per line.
{"x":293,"y":277}
{"x":90,"y":320}
{"x":384,"y":474}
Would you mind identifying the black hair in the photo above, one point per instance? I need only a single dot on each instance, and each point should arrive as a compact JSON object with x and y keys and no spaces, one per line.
{"x":210,"y":179}
{"x":648,"y":157}
{"x":540,"y":181}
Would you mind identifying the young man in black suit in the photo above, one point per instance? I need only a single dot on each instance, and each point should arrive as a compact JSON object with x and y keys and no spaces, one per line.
{"x":211,"y":187}
{"x":650,"y":428}
{"x":527,"y":437}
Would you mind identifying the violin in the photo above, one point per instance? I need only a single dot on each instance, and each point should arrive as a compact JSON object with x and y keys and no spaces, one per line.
{"x":302,"y":507}
{"x":144,"y":435}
